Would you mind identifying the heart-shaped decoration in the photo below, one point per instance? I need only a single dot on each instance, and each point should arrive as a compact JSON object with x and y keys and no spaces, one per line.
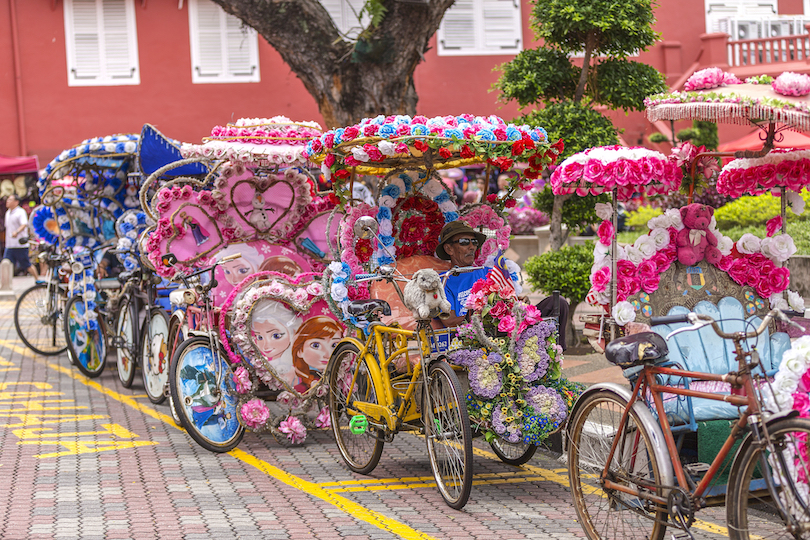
{"x":194,"y":234}
{"x":262,"y":203}
{"x":319,"y":237}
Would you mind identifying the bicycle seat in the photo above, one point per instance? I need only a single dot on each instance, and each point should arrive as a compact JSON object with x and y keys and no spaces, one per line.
{"x":123,"y":277}
{"x":363,"y":308}
{"x":636,"y":350}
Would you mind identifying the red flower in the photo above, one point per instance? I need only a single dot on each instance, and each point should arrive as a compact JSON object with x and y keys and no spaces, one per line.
{"x":445,"y":153}
{"x":533,"y":174}
{"x":342,"y":174}
{"x":333,"y":199}
{"x":350,"y":133}
{"x":518,"y":147}
{"x":500,"y":133}
{"x":502,"y":163}
{"x":420,"y":145}
{"x":492,"y":197}
{"x":413,"y":229}
{"x":370,"y":130}
{"x":329,"y":140}
{"x":510,"y":203}
{"x":558,"y":146}
{"x":466,"y":152}
{"x":528,"y":142}
{"x":363,"y":250}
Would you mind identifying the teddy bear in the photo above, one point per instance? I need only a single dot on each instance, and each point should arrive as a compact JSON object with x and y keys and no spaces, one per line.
{"x":695,"y":241}
{"x":424,"y":294}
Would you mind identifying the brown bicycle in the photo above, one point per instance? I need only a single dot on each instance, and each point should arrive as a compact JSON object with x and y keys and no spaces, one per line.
{"x":625,"y":469}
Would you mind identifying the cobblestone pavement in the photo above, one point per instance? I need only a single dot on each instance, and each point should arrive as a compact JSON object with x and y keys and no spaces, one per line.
{"x":86,"y":458}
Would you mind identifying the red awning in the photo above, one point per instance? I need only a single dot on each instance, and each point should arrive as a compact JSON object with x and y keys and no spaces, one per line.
{"x":18,"y":165}
{"x":752,"y":141}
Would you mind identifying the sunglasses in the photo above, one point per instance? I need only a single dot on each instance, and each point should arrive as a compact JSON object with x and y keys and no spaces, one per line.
{"x":464,"y":242}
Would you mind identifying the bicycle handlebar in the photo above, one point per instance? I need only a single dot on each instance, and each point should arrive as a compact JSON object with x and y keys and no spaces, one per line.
{"x":699,"y":320}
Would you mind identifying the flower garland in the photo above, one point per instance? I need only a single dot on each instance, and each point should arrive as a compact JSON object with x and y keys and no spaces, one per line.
{"x":129,"y":227}
{"x":483,"y":216}
{"x":451,"y":141}
{"x":338,"y":280}
{"x":45,"y":225}
{"x":710,"y":78}
{"x":629,"y":170}
{"x":750,"y":261}
{"x":516,"y":388}
{"x":755,"y":176}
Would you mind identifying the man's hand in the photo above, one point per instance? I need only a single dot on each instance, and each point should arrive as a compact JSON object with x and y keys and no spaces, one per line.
{"x":453,"y":320}
{"x":102,"y":271}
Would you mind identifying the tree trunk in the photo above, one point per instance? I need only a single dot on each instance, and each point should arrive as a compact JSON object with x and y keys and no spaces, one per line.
{"x":349,"y":81}
{"x":556,"y":236}
{"x":590,"y":44}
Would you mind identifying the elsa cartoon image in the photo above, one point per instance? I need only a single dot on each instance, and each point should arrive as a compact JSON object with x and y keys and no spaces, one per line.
{"x":238,"y":269}
{"x":273,"y":326}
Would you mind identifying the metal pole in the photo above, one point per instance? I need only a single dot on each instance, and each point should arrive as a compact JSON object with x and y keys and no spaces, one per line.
{"x":613,"y":252}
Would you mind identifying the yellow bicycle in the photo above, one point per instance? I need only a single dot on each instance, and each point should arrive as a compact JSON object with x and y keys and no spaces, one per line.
{"x":376,"y":390}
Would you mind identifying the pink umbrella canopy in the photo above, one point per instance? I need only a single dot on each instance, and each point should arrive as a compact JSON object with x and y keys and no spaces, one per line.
{"x":628,"y":170}
{"x":779,"y":168}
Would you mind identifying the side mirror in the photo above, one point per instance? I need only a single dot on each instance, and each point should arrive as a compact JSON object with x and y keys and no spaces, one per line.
{"x":365,"y":227}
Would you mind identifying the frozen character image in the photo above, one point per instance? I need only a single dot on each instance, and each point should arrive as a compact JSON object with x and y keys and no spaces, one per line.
{"x":160,"y":355}
{"x":281,"y":264}
{"x":238,"y":269}
{"x":313,"y":345}
{"x":259,"y":216}
{"x":200,"y":235}
{"x":272,"y":329}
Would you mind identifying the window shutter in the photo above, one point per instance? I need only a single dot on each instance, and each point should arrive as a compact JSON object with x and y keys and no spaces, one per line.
{"x":87,"y":63}
{"x":502,"y":24}
{"x":239,"y":57}
{"x":222,"y":50}
{"x":344,"y":14}
{"x":116,"y":40}
{"x":209,"y":37}
{"x":458,"y":26}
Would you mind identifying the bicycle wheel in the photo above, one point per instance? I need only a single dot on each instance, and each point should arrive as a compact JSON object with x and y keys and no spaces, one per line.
{"x":87,"y":347}
{"x":154,"y":351}
{"x":611,"y":514}
{"x":350,"y":381}
{"x":513,"y":453}
{"x":448,"y":435}
{"x":749,"y":506}
{"x":207,"y":408}
{"x":126,"y":329}
{"x":37,"y":318}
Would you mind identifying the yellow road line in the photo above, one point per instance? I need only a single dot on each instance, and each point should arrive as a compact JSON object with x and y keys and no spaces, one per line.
{"x":352,"y":508}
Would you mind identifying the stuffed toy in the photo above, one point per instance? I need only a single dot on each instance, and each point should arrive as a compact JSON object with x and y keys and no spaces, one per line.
{"x":424,"y":294}
{"x":695,"y":241}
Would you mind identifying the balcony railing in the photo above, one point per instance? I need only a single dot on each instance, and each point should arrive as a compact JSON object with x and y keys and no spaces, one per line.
{"x":772,"y":50}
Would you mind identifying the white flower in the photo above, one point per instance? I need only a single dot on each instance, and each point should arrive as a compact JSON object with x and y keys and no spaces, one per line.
{"x":360,"y":154}
{"x":659,"y":222}
{"x":601,"y":253}
{"x":339,"y":292}
{"x":337,"y":270}
{"x":603,"y":210}
{"x":90,"y":296}
{"x":621,"y":253}
{"x":386,"y":228}
{"x":387,"y":200}
{"x":796,"y":202}
{"x":777,"y":301}
{"x":660,"y":237}
{"x":327,"y":172}
{"x":400,"y":184}
{"x":713,"y":224}
{"x":785,"y":382}
{"x":132,"y":219}
{"x":794,"y":362}
{"x":623,"y":313}
{"x":724,"y":244}
{"x":674,"y":216}
{"x":124,"y":243}
{"x":432,"y":189}
{"x":387,"y":148}
{"x":779,"y":248}
{"x":796,"y":301}
{"x":749,"y":244}
{"x":646,"y":245}
{"x":448,"y":206}
{"x":634,"y":255}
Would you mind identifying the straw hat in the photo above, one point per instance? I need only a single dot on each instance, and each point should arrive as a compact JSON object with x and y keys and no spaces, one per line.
{"x":6,"y":188}
{"x":454,"y":228}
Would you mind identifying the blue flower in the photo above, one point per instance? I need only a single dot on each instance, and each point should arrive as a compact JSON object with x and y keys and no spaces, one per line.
{"x":120,"y":148}
{"x":387,"y":240}
{"x":486,"y":135}
{"x":387,"y":131}
{"x":383,"y":213}
{"x":338,"y":136}
{"x":454,"y":133}
{"x":407,"y":181}
{"x":92,"y":324}
{"x":391,"y":190}
{"x":419,"y":129}
{"x":126,"y":227}
{"x":513,"y":134}
{"x":442,"y":197}
{"x":129,"y":264}
{"x":385,"y":259}
{"x":402,"y":119}
{"x":450,"y":216}
{"x":378,"y":120}
{"x":72,"y":153}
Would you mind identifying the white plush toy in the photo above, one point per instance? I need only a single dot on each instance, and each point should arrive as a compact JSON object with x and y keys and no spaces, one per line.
{"x":424,"y":294}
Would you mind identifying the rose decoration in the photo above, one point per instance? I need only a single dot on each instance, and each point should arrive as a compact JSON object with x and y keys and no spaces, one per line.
{"x":710,"y":78}
{"x":792,"y":84}
{"x":778,"y":168}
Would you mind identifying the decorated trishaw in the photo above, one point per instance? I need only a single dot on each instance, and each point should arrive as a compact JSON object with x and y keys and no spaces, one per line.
{"x":681,"y":278}
{"x":392,"y":374}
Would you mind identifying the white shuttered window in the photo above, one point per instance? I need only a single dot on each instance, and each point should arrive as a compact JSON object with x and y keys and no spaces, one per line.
{"x":101,"y":43}
{"x":222,"y":51}
{"x":481,"y":27}
{"x":345,"y":15}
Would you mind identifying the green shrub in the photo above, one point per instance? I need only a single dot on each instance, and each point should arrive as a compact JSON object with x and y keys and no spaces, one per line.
{"x":638,"y":219}
{"x":750,"y":211}
{"x":567,"y":270}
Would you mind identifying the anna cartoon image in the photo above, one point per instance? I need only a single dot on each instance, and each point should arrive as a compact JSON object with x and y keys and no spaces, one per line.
{"x":313,"y":345}
{"x":200,"y":235}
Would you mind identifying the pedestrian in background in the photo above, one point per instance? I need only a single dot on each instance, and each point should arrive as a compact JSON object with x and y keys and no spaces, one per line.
{"x":16,"y":229}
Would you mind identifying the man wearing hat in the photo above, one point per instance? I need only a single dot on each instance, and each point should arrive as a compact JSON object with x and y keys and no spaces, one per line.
{"x":458,"y":243}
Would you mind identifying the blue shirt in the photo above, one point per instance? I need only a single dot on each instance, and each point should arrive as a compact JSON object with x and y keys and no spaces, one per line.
{"x":458,"y":288}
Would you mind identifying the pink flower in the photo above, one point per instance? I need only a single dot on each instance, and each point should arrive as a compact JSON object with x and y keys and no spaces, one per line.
{"x":601,"y":278}
{"x":773,"y":225}
{"x":594,"y":171}
{"x":605,"y":232}
{"x":780,"y":279}
{"x":324,"y":420}
{"x":506,"y":324}
{"x":801,"y":402}
{"x":242,"y":379}
{"x":185,"y":192}
{"x":647,"y":269}
{"x":650,"y":284}
{"x":499,"y":310}
{"x":791,"y":84}
{"x":255,"y":413}
{"x":709,"y":78}
{"x":294,"y":429}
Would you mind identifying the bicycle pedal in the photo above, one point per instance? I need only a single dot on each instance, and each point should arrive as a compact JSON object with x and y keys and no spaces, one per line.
{"x":682,"y":535}
{"x":696,"y":469}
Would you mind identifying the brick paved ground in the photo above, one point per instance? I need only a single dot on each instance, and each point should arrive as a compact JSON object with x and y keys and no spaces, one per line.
{"x":83,"y":458}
